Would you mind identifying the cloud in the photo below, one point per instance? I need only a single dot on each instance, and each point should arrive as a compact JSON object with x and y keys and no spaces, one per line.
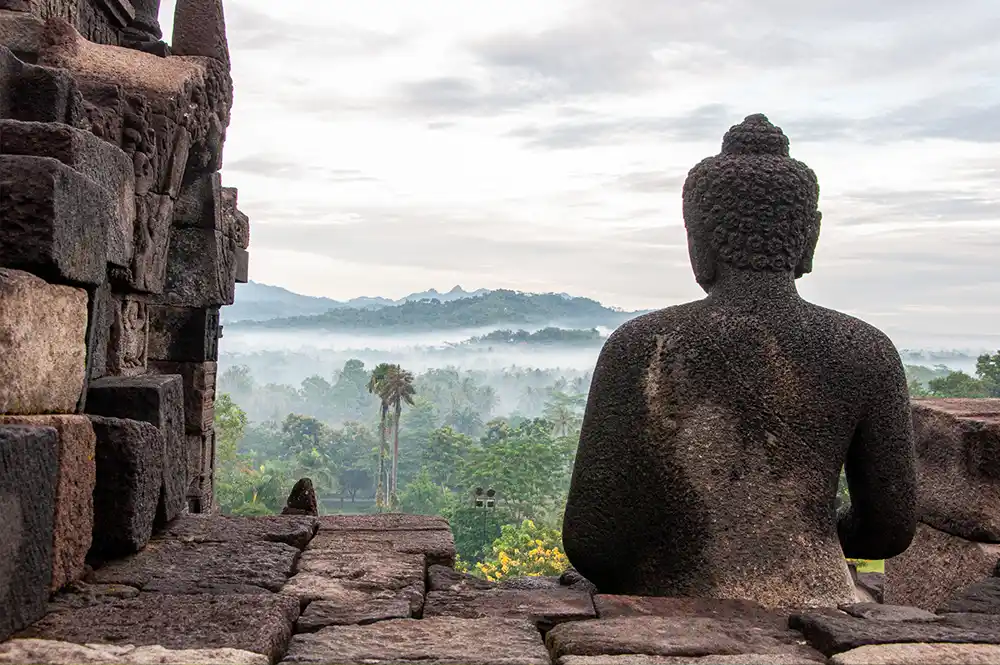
{"x":276,"y":167}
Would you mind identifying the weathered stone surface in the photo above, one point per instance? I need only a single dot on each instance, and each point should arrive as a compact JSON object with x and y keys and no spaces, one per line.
{"x":436,"y":641}
{"x":36,"y":94}
{"x":436,"y":545}
{"x":291,"y":530}
{"x":199,"y":392}
{"x":544,"y":607}
{"x":74,"y":514}
{"x":920,"y":654}
{"x":129,"y":477}
{"x":29,"y":465}
{"x":832,"y":633}
{"x":740,"y":659}
{"x":342,"y":602}
{"x":43,"y":330}
{"x":445,"y":578}
{"x":958,"y":464}
{"x":242,"y":265}
{"x":302,"y":499}
{"x":982,"y":597}
{"x":184,"y":334}
{"x":382,"y":568}
{"x":21,"y":32}
{"x":383,"y":522}
{"x":81,"y":594}
{"x":152,"y":237}
{"x":673,"y":636}
{"x":260,"y":623}
{"x":200,"y":29}
{"x":54,"y":221}
{"x":873,"y":584}
{"x":157,"y":400}
{"x":201,"y":203}
{"x":25,"y":652}
{"x":100,"y":318}
{"x":934,"y":566}
{"x":197,"y":89}
{"x":175,"y":567}
{"x":880,"y":612}
{"x":128,"y":336}
{"x":618,"y":607}
{"x":201,"y":271}
{"x":87,"y":154}
{"x":731,"y":417}
{"x":241,"y":230}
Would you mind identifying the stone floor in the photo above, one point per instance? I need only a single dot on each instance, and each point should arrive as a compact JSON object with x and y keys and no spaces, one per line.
{"x":380,"y":589}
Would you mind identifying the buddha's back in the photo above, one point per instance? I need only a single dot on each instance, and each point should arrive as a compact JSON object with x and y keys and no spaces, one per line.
{"x":713,"y":441}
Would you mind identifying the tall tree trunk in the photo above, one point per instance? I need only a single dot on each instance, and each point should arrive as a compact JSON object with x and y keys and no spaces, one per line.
{"x":380,"y":491}
{"x":395,"y":447}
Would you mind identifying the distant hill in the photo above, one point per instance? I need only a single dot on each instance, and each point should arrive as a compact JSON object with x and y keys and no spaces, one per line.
{"x":261,"y":302}
{"x":488,"y":309}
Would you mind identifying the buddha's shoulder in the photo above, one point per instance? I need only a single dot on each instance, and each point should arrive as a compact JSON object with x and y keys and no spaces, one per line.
{"x":647,"y":327}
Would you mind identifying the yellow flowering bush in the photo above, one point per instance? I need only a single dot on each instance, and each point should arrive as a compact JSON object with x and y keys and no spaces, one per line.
{"x":524,"y":551}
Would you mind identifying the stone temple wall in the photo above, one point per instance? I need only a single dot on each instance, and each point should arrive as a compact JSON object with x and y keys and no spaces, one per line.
{"x":118,"y":246}
{"x":958,"y":538}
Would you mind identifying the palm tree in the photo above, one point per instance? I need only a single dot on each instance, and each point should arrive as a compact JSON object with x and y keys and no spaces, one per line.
{"x":397,"y":388}
{"x":376,"y":386}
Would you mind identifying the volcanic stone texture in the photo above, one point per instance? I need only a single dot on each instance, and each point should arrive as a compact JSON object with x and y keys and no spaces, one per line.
{"x":175,"y":567}
{"x":716,"y":430}
{"x":958,"y":462}
{"x":435,"y":641}
{"x":29,"y":467}
{"x":920,"y":654}
{"x":129,"y":478}
{"x":43,"y":330}
{"x":291,"y":530}
{"x":158,"y":400}
{"x":259,"y":623}
{"x":54,"y":221}
{"x":98,"y":160}
{"x":37,"y":94}
{"x":437,"y":545}
{"x":19,"y":652}
{"x":936,"y":565}
{"x":74,"y":512}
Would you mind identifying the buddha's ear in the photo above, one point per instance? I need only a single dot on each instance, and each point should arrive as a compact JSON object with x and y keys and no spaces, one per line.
{"x":703,"y":262}
{"x":805,"y":265}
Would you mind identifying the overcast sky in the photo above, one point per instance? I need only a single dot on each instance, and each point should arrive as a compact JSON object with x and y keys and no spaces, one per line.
{"x":385,"y":147}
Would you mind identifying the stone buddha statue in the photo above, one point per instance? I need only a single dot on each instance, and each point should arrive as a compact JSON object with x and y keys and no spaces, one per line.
{"x":716,"y":430}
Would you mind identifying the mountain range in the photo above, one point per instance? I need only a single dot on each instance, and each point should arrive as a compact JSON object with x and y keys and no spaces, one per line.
{"x":261,"y":302}
{"x":261,"y":306}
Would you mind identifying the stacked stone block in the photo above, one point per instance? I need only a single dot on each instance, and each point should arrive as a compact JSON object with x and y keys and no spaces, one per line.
{"x":958,"y":538}
{"x":118,"y":246}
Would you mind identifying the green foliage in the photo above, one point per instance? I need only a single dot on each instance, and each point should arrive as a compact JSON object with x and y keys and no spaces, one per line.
{"x":957,"y":384}
{"x":424,"y":497}
{"x":524,"y":550}
{"x":548,"y":335}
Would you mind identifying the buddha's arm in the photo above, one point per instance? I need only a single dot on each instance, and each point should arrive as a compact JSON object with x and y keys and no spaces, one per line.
{"x":881,"y":472}
{"x":596,"y":527}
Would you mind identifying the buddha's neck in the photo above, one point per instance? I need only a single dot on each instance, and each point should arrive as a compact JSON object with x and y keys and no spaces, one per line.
{"x":751,"y":286}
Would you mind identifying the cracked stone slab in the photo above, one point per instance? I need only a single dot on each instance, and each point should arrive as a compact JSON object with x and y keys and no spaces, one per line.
{"x":383,"y":522}
{"x":615,"y":607}
{"x":49,"y":652}
{"x":740,"y":659}
{"x":310,"y":587}
{"x":344,"y":603}
{"x":675,"y":636}
{"x":81,"y":594}
{"x":170,"y":566}
{"x":437,"y":545}
{"x":544,"y":607}
{"x":982,"y":597}
{"x":880,"y":612}
{"x":378,"y":568}
{"x":920,"y":654}
{"x":259,"y":623}
{"x":296,"y":531}
{"x":433,"y":641}
{"x":832,"y":633}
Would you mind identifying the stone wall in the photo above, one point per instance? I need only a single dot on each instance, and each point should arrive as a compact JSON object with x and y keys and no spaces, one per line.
{"x":958,"y":538}
{"x":118,"y":246}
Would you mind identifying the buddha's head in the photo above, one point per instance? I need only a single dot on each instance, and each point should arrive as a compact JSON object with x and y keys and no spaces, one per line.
{"x":751,"y":207}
